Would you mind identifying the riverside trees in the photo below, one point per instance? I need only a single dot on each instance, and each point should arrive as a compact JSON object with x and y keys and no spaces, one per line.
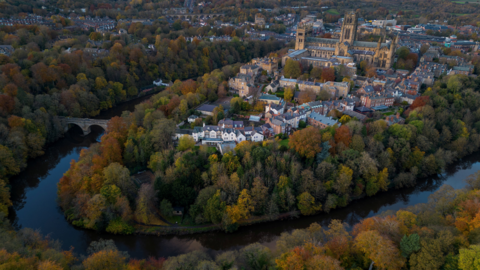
{"x":321,"y":169}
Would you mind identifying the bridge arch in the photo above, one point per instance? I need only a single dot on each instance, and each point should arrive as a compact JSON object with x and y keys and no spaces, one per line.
{"x":85,"y":124}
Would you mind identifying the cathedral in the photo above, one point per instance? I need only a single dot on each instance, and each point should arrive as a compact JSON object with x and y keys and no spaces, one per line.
{"x":379,"y":54}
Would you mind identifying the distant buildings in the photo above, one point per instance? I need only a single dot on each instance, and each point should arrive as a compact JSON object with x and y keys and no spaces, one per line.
{"x":6,"y":49}
{"x":336,"y":89}
{"x":259,"y":19}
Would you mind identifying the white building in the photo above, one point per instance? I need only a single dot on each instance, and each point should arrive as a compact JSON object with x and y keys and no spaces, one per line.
{"x":213,"y":135}
{"x":192,"y":118}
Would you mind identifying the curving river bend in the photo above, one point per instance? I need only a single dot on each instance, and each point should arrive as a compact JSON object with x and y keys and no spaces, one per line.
{"x":34,"y":194}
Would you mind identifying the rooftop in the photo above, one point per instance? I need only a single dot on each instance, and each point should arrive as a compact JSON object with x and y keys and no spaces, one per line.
{"x":323,"y":119}
{"x":206,"y":108}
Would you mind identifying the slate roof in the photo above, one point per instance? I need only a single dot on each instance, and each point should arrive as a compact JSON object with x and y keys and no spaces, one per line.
{"x":323,"y":119}
{"x":206,"y":108}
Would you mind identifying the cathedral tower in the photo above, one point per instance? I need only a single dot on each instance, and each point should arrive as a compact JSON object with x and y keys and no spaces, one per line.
{"x":349,"y":28}
{"x":300,"y":41}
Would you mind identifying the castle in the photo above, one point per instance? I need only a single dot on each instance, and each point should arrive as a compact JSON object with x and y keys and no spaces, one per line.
{"x":379,"y":54}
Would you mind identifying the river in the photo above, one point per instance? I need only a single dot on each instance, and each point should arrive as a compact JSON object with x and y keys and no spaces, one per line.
{"x":34,"y":193}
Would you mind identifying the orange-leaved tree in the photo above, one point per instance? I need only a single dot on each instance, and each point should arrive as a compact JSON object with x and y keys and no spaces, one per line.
{"x":306,"y":142}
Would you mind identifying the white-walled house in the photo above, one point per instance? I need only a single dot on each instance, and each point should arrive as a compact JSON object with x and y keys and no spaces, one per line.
{"x":215,"y":134}
{"x":192,"y":118}
{"x":256,"y":136}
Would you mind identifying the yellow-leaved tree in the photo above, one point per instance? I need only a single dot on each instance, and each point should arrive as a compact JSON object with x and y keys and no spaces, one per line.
{"x":242,"y":210}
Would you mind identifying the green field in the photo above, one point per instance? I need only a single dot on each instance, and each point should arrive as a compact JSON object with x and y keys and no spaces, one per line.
{"x":285,"y":142}
{"x":333,"y":11}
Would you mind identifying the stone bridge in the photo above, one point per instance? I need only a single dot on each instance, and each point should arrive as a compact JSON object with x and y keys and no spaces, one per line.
{"x":85,"y":123}
{"x":193,"y":15}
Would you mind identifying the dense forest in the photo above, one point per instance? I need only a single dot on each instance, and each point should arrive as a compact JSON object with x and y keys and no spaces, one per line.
{"x":40,"y":85}
{"x":440,"y":234}
{"x":320,"y":170}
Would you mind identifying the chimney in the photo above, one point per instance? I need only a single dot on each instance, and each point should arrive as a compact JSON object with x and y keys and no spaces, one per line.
{"x":398,"y":115}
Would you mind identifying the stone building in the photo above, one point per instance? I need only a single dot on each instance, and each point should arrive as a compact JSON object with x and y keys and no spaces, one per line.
{"x":259,"y":19}
{"x":379,"y":54}
{"x":242,"y":84}
{"x":268,"y":64}
{"x":336,"y":89}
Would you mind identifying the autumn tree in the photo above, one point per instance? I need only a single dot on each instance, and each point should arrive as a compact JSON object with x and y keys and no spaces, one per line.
{"x":342,"y":135}
{"x":215,"y":208}
{"x":105,"y":259}
{"x":328,"y":74}
{"x":292,"y":69}
{"x":344,"y":179}
{"x":242,"y":209}
{"x":306,"y":204}
{"x":307,"y":142}
{"x":306,"y":96}
{"x":380,"y":250}
{"x":469,"y":258}
{"x":186,"y":142}
{"x":289,"y":93}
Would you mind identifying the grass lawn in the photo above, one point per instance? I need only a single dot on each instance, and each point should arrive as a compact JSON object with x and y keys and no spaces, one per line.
{"x":174,"y":219}
{"x":333,"y":11}
{"x":388,"y":113}
{"x":285,"y":142}
{"x":155,"y":220}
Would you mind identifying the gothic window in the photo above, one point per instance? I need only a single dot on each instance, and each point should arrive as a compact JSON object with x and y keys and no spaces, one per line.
{"x":347,"y":34}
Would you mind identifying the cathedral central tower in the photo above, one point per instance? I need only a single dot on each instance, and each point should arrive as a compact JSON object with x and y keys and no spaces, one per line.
{"x":349,"y":28}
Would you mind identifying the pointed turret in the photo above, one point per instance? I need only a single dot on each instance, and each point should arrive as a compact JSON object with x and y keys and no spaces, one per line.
{"x":379,"y":43}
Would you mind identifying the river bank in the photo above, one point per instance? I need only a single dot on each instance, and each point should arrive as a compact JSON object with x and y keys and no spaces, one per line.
{"x":34,"y":193}
{"x":34,"y":199}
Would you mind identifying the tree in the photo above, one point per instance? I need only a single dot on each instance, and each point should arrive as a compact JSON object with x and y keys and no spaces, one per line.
{"x":8,"y":166}
{"x":289,"y":93}
{"x":454,"y":84}
{"x":306,"y":204}
{"x":306,"y":96}
{"x":306,"y":142}
{"x":259,"y":195}
{"x":344,"y":179}
{"x":105,"y":259}
{"x":302,"y":124}
{"x":242,"y":209}
{"x":5,"y":202}
{"x":186,"y":142}
{"x":357,"y":143}
{"x":328,"y":74}
{"x":316,"y":73}
{"x":96,"y":205}
{"x":379,"y":249}
{"x":342,"y":134}
{"x":215,"y":208}
{"x":382,"y":179}
{"x":403,"y":52}
{"x":410,"y":244}
{"x":324,"y":95}
{"x":292,"y":69}
{"x":166,"y":208}
{"x":344,"y":119}
{"x":469,"y":258}
{"x":118,"y":175}
{"x":145,"y":203}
